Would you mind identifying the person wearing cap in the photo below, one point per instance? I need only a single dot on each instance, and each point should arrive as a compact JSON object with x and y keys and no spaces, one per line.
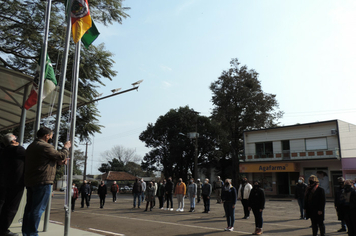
{"x":338,"y":203}
{"x":199,"y":186}
{"x":314,"y":205}
{"x":218,"y":184}
{"x":299,"y":195}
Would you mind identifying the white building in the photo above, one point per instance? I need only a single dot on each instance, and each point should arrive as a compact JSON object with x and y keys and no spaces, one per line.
{"x":278,"y":156}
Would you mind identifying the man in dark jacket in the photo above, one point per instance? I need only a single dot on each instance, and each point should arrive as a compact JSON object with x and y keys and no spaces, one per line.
{"x":206,"y":192}
{"x":102,"y":192}
{"x":12,"y":163}
{"x":169,"y":193}
{"x":41,"y":162}
{"x":299,"y":195}
{"x":314,"y":205}
{"x":85,"y":193}
{"x":137,"y":192}
{"x":337,"y":204}
{"x":348,"y":206}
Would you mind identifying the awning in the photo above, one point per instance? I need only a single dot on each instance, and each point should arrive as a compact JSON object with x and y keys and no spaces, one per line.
{"x":12,"y":93}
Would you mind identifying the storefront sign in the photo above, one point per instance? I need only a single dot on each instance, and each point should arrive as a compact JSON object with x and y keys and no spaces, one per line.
{"x":268,"y":167}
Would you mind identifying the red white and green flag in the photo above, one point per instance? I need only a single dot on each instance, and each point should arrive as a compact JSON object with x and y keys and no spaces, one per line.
{"x":49,"y":85}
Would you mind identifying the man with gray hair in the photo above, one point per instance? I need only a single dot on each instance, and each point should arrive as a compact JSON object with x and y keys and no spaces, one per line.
{"x":12,"y":164}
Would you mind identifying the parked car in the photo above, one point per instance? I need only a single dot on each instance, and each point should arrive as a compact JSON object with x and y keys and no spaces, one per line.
{"x":63,"y":189}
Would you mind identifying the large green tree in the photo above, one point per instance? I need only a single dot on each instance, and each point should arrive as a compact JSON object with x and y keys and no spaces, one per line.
{"x":240,"y":104}
{"x":21,"y":38}
{"x":172,"y":152}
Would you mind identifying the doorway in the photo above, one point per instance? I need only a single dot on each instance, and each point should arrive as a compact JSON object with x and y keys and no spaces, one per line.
{"x":283,"y":183}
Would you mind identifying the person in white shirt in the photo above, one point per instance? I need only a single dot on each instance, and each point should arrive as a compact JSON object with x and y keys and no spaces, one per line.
{"x":243,"y":194}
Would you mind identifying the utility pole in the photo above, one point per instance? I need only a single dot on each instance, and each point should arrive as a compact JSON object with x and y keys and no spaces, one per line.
{"x":85,"y":161}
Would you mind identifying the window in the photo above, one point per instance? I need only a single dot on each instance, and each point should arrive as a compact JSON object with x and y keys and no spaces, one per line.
{"x":316,"y":144}
{"x":264,"y":149}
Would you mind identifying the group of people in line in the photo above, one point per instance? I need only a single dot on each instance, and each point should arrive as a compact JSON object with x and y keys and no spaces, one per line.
{"x":41,"y":160}
{"x":311,"y":199}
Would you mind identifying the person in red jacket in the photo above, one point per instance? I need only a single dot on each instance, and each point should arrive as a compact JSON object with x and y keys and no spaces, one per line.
{"x":75,"y":195}
{"x":114,"y":191}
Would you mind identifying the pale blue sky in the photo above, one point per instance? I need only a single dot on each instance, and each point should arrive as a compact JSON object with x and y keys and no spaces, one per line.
{"x":304,"y":52}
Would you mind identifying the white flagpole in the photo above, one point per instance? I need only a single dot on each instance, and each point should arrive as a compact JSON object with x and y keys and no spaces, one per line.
{"x":43,"y":66}
{"x":62,"y":80}
{"x":72,"y":133}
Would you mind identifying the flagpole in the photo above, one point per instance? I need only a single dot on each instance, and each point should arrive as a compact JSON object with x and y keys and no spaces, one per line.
{"x":62,"y":80}
{"x":72,"y":133}
{"x":42,"y":73}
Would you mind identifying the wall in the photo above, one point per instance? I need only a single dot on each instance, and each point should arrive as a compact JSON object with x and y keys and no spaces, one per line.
{"x":347,"y":134}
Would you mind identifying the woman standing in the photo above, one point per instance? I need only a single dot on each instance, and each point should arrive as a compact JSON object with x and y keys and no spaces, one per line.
{"x":256,"y":202}
{"x":314,"y":205}
{"x":150,"y":195}
{"x":192,"y":192}
{"x":102,"y":192}
{"x":160,"y":194}
{"x":229,"y":198}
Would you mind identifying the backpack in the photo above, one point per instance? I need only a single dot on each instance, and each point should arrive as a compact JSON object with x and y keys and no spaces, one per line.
{"x":114,"y":188}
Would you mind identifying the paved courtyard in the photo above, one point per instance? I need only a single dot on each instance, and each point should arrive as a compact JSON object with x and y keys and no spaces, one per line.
{"x":281,"y":217}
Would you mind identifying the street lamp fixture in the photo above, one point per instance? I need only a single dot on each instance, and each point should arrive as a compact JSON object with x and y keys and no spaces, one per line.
{"x":137,"y":83}
{"x":116,"y":90}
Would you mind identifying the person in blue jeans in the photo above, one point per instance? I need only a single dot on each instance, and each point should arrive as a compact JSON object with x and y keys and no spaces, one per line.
{"x":299,"y":195}
{"x":137,"y":192}
{"x":229,"y":198}
{"x":40,"y":169}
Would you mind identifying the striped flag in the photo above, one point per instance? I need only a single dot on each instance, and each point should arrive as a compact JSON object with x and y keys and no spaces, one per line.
{"x":80,"y":17}
{"x":49,"y":85}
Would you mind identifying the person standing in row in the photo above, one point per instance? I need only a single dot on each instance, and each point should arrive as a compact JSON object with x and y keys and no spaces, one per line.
{"x":91,"y":190}
{"x":314,"y":205}
{"x":206,"y":192}
{"x":85,"y":192}
{"x":12,"y":163}
{"x":137,"y":192}
{"x":349,"y":207}
{"x":160,"y":194}
{"x":102,"y":192}
{"x":243,"y":195}
{"x":218,"y":184}
{"x":75,"y":195}
{"x":299,"y":195}
{"x":192,"y":192}
{"x":256,"y":202}
{"x":156,"y":187}
{"x":199,"y":186}
{"x":143,"y":183}
{"x":337,"y":203}
{"x":169,"y":193}
{"x":40,"y":169}
{"x":150,"y":195}
{"x":114,"y":190}
{"x":229,"y":198}
{"x":180,"y":191}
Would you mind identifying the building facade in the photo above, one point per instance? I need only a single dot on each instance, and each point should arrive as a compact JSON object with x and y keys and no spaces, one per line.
{"x":278,"y":156}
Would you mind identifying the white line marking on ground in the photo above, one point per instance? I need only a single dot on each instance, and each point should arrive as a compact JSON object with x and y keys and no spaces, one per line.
{"x":106,"y":232}
{"x":56,"y":222}
{"x":164,"y":222}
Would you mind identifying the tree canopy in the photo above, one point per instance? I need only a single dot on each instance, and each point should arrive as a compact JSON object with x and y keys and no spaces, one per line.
{"x":21,"y":38}
{"x":172,"y":151}
{"x":240,"y":104}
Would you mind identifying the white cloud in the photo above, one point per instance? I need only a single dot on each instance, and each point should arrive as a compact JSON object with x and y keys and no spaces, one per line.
{"x":165,"y":68}
{"x":166,"y":84}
